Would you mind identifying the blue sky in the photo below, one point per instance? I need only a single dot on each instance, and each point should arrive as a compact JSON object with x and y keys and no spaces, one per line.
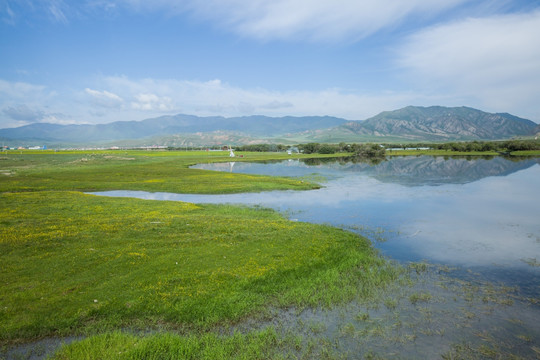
{"x":98,"y":61}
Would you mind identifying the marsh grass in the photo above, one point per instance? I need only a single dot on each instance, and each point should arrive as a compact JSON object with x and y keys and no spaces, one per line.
{"x":265,"y":344}
{"x":136,"y":170}
{"x":75,"y":263}
{"x":146,"y":279}
{"x":526,"y":153}
{"x":419,"y":297}
{"x":531,"y":262}
{"x":441,"y":314}
{"x":432,"y":329}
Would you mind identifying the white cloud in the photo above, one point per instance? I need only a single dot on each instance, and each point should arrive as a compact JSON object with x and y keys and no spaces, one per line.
{"x":106,"y":5}
{"x":21,"y":90}
{"x":24,"y":113}
{"x":7,"y":14}
{"x":23,"y":103}
{"x":55,"y":8}
{"x":59,"y":118}
{"x":277,"y":105}
{"x":214,"y":97}
{"x":122,"y":98}
{"x":495,"y":60}
{"x":301,"y":19}
{"x":152,"y":102}
{"x":104,"y":98}
{"x":328,"y":20}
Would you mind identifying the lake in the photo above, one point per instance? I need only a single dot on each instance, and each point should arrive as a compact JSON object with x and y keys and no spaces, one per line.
{"x":477,"y":219}
{"x":475,"y":213}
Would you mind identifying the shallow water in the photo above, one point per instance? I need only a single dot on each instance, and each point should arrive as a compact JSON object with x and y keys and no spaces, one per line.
{"x":438,"y":316}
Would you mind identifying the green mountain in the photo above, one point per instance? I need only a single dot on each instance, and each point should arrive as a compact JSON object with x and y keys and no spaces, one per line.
{"x":536,"y":131}
{"x":412,"y":123}
{"x":186,"y":140}
{"x":251,"y":126}
{"x":442,"y":123}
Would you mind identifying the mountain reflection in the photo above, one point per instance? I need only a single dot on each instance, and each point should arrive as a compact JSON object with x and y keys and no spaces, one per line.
{"x":428,"y":170}
{"x":482,"y":211}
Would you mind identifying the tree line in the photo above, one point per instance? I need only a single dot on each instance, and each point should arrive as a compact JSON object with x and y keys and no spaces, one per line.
{"x":500,"y":146}
{"x":377,"y":150}
{"x":371,"y":149}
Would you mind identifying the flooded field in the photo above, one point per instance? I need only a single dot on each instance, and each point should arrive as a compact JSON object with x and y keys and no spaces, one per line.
{"x":478,"y":214}
{"x":468,"y":230}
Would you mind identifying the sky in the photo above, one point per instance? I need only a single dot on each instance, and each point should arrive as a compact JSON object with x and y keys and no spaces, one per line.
{"x":99,"y":61}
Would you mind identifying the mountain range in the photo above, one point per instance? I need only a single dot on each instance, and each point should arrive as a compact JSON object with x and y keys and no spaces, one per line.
{"x":412,"y":123}
{"x":443,"y":123}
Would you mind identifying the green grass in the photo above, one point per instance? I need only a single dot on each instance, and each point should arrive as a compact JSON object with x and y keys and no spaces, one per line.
{"x":73,"y":263}
{"x":169,"y":275}
{"x":264,"y":344}
{"x":526,"y":153}
{"x":78,"y":264}
{"x":134,"y":170}
{"x":256,"y":345}
{"x":417,"y":297}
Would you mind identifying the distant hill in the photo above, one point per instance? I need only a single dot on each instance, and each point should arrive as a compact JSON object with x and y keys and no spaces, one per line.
{"x":412,"y":123}
{"x":199,"y":139}
{"x":253,"y":126}
{"x":442,"y":123}
{"x":536,"y":130}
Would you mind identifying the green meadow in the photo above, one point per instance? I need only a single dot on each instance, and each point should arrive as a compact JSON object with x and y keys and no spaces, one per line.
{"x":132,"y":170}
{"x":155,"y":279}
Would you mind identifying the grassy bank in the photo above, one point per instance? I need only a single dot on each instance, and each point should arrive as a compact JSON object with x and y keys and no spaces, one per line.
{"x":526,"y":153}
{"x":73,"y":263}
{"x":260,"y":345}
{"x":134,"y":170}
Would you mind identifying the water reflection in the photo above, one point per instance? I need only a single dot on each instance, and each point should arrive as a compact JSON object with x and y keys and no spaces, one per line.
{"x":406,"y":170}
{"x":482,"y":213}
{"x":481,"y":217}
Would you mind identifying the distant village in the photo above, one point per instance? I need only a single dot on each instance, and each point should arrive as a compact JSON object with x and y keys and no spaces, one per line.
{"x":44,"y":147}
{"x":24,"y":148}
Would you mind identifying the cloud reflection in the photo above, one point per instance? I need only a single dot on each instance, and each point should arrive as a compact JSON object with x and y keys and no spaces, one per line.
{"x":489,"y":221}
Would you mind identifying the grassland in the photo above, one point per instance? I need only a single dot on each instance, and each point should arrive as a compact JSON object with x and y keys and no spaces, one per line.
{"x":266,"y":344}
{"x":73,"y":263}
{"x":133,"y":170}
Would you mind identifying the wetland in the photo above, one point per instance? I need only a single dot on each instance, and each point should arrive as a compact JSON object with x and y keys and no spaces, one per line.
{"x":449,"y":271}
